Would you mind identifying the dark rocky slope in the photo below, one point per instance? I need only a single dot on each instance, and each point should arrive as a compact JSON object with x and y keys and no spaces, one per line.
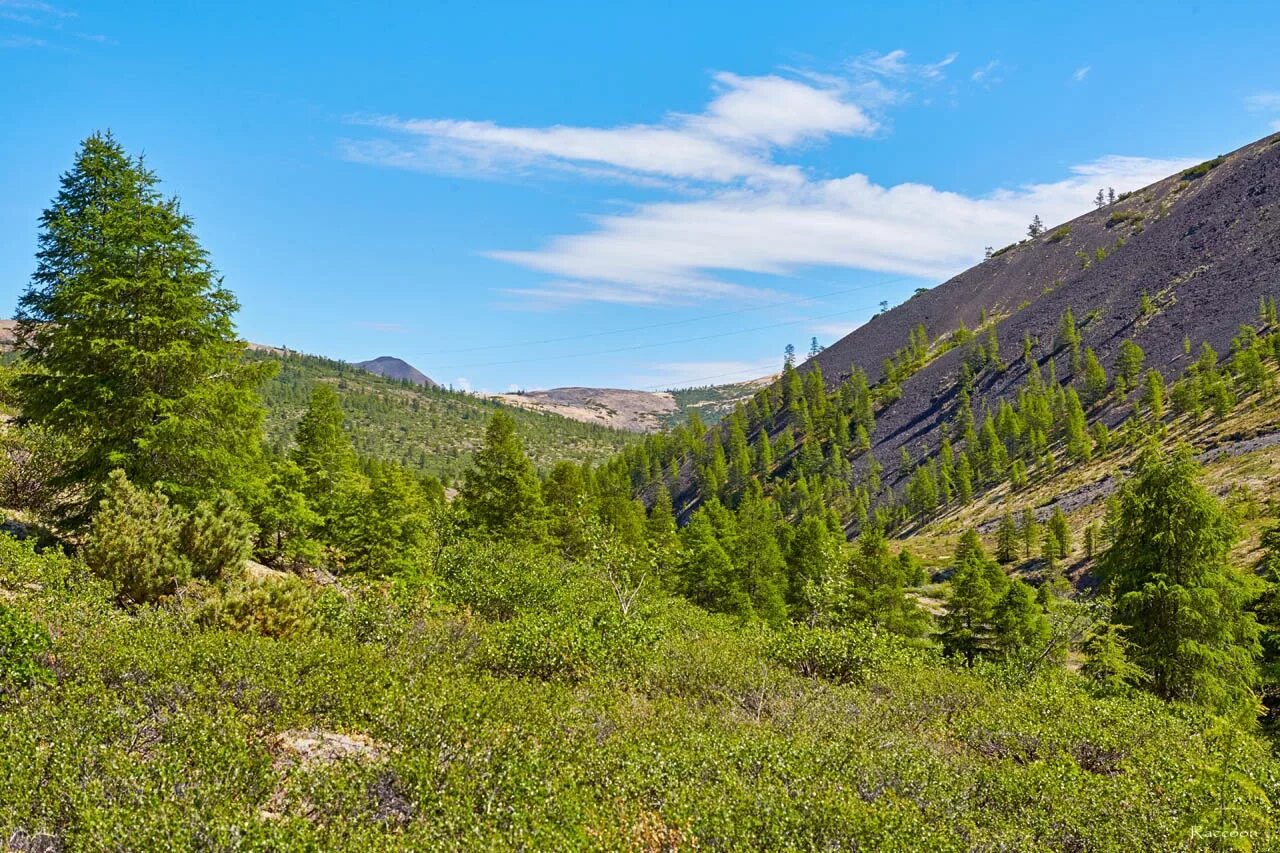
{"x":1204,"y":247}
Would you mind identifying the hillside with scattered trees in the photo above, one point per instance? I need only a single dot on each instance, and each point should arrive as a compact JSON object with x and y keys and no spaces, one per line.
{"x":239,"y":609}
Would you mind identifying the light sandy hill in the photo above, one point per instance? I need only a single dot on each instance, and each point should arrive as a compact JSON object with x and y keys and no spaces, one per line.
{"x":635,"y":411}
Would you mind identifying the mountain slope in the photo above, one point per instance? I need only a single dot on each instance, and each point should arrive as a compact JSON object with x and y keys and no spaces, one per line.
{"x":398,"y":369}
{"x":1203,"y":246}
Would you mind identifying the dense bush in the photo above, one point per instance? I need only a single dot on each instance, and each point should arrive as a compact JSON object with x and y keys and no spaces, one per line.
{"x":217,"y":538}
{"x":133,"y":542}
{"x":272,"y":608}
{"x":23,"y":644}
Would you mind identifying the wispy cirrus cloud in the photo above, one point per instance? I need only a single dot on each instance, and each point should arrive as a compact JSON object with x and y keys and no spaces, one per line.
{"x":730,"y":141}
{"x":756,"y":210}
{"x":41,"y":25}
{"x":1081,"y":73}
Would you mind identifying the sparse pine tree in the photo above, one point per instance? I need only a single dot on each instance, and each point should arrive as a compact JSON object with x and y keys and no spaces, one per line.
{"x":1036,"y":228}
{"x":1030,"y":531}
{"x":1007,"y":540}
{"x":1128,"y":365}
{"x":1153,"y":395}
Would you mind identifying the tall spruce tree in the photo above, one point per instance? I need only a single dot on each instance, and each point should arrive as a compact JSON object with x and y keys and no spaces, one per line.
{"x":1183,"y":602}
{"x":129,"y":346}
{"x":501,"y":495}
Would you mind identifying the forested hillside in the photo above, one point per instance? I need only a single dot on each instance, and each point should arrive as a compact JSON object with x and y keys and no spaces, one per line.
{"x":428,"y":430}
{"x":243,"y":617}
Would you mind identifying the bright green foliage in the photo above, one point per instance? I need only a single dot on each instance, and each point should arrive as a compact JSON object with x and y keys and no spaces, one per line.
{"x":977,"y":587}
{"x":708,"y":572}
{"x":217,"y":539}
{"x":1069,"y":338}
{"x":390,"y":529}
{"x":127,"y":338}
{"x":1153,"y":395}
{"x":758,"y":559}
{"x":276,"y":608}
{"x":285,"y":520}
{"x":501,"y":495}
{"x":426,"y":430}
{"x":134,"y":540}
{"x":875,"y":592}
{"x":23,"y":646}
{"x":1061,"y":532}
{"x":322,"y":448}
{"x":1128,"y":365}
{"x":1019,"y":626}
{"x":565,"y":726}
{"x":1107,"y":662}
{"x":1079,"y":444}
{"x":1184,"y":604}
{"x":1007,"y":540}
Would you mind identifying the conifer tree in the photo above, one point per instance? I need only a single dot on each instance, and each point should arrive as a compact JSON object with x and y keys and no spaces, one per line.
{"x":1061,"y":533}
{"x":757,"y":557}
{"x":1030,"y":531}
{"x":977,"y":585}
{"x":1153,"y":395}
{"x":501,"y":495}
{"x":129,"y":345}
{"x":322,"y":448}
{"x":1128,"y":365}
{"x":709,"y":576}
{"x":877,"y":588}
{"x":1007,"y":539}
{"x":1173,"y":586}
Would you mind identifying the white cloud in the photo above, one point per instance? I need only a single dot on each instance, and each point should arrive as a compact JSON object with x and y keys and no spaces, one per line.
{"x":986,"y":74}
{"x":1080,"y":73}
{"x":894,"y":64}
{"x":756,"y":212}
{"x":1263,"y":102}
{"x":462,"y":383}
{"x":675,"y":251}
{"x":730,"y":141}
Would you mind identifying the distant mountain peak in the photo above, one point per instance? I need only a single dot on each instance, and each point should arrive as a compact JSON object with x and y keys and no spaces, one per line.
{"x":397,"y":368}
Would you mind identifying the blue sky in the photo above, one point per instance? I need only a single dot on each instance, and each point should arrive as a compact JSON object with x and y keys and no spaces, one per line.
{"x":629,"y":194}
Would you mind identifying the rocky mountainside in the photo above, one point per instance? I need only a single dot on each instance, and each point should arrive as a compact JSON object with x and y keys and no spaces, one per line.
{"x":1185,"y":259}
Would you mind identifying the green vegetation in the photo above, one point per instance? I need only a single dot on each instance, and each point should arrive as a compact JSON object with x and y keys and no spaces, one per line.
{"x":429,"y":431}
{"x":549,"y":661}
{"x":1202,"y":169}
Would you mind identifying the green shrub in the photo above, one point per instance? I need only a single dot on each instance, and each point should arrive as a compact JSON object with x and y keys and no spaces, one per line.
{"x":23,"y":645}
{"x":218,"y":539}
{"x":497,"y":580}
{"x":1059,"y":234}
{"x":272,"y":608}
{"x":840,"y":654}
{"x":1202,"y":169}
{"x":133,"y":543}
{"x":1125,"y":217}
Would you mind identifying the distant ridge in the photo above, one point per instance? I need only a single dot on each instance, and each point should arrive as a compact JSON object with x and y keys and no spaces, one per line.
{"x":399,"y":369}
